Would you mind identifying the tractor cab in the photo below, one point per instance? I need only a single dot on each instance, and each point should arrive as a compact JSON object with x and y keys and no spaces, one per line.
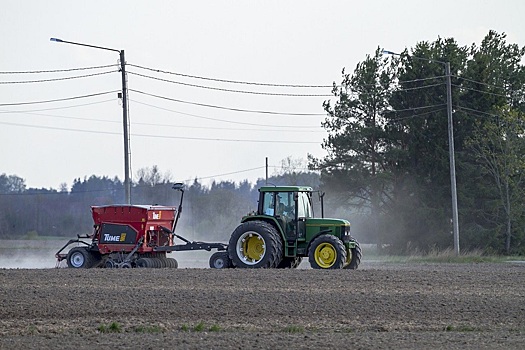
{"x":290,"y":206}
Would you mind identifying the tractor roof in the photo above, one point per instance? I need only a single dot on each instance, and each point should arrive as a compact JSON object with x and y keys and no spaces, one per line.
{"x":285,"y":189}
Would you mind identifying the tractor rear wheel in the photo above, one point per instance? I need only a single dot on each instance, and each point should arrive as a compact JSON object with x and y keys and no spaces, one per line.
{"x":79,"y":258}
{"x":255,"y":244}
{"x":220,"y":260}
{"x":327,"y":252}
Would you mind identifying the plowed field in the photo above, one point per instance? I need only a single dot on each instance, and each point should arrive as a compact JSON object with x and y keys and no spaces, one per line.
{"x":438,"y":306}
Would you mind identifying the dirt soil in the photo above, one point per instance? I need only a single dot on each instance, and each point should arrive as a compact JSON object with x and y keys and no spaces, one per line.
{"x":420,"y":306}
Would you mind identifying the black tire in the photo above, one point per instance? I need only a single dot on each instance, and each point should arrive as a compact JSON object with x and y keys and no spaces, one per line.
{"x":142,"y":263}
{"x":357,"y":254}
{"x":327,"y":252}
{"x":172,"y":263}
{"x":255,"y":244}
{"x":290,"y":263}
{"x":110,"y":264}
{"x":156,"y":263}
{"x":79,"y":258}
{"x":162,"y":263}
{"x":220,"y":260}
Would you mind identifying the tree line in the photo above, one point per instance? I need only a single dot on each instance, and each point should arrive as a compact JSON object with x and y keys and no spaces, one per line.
{"x":210,"y":212}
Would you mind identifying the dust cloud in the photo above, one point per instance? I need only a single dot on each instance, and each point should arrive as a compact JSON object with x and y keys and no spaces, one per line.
{"x":35,"y":254}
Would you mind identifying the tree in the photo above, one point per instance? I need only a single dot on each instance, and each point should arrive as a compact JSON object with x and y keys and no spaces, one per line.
{"x":418,"y":127}
{"x":388,"y":151}
{"x":493,"y":84}
{"x":498,"y":147}
{"x":356,"y":167}
{"x":11,"y":184}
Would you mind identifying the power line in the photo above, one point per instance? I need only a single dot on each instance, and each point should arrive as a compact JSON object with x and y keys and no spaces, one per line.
{"x":483,"y":92}
{"x":59,"y":99}
{"x":57,"y":70}
{"x":225,"y":121}
{"x":221,"y":107}
{"x":476,"y":111}
{"x":479,"y":82}
{"x":415,"y":115}
{"x":55,"y":79}
{"x":228,"y":90}
{"x":224,"y":174}
{"x":161,"y":125}
{"x":29,"y":111}
{"x":414,"y":108}
{"x":230,"y":81}
{"x":161,"y":136}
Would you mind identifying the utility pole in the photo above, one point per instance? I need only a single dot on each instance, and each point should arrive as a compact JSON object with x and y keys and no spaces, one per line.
{"x":455,"y":219}
{"x":127,"y":182}
{"x":266,"y":171}
{"x":452,"y":157}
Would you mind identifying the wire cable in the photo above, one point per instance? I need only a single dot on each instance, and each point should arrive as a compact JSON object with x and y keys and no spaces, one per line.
{"x":415,"y":108}
{"x":58,"y":99}
{"x":230,"y":173}
{"x":229,"y":81}
{"x":58,"y":70}
{"x":479,"y":82}
{"x":223,"y":120}
{"x":29,"y":111}
{"x":483,"y":92}
{"x":55,"y":79}
{"x":221,"y":107}
{"x":228,"y":90}
{"x":476,"y":111}
{"x":160,"y":136}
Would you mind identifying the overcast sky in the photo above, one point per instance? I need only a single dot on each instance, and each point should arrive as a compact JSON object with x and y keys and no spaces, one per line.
{"x":272,"y":42}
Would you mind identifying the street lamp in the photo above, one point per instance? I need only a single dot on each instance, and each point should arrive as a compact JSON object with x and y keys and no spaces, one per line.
{"x":455,"y":224}
{"x":127,"y":183}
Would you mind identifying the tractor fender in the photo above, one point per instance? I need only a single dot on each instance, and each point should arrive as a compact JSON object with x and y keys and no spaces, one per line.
{"x":322,"y":232}
{"x":269,"y":219}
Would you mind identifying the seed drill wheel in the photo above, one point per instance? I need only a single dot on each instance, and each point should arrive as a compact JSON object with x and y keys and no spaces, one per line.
{"x":220,"y":260}
{"x":172,"y":263}
{"x":327,"y":252}
{"x":142,"y":262}
{"x":79,"y":258}
{"x":255,"y":244}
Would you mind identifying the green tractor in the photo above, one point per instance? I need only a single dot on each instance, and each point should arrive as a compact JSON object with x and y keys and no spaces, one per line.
{"x":284,"y":230}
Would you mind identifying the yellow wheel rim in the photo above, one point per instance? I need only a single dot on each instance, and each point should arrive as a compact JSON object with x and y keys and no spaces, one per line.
{"x":251,"y":247}
{"x":348,"y":257}
{"x":325,"y":255}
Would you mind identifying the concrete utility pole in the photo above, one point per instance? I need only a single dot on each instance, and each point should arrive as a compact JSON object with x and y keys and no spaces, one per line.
{"x":455,"y":219}
{"x":127,"y":182}
{"x":452,"y":158}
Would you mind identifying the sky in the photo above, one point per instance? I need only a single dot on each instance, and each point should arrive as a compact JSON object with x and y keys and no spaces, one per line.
{"x":182,"y":119}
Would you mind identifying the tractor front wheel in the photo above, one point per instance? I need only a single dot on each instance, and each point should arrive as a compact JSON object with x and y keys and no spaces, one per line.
{"x":355,"y":259}
{"x":79,"y":258}
{"x":255,"y":244}
{"x":327,"y":252}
